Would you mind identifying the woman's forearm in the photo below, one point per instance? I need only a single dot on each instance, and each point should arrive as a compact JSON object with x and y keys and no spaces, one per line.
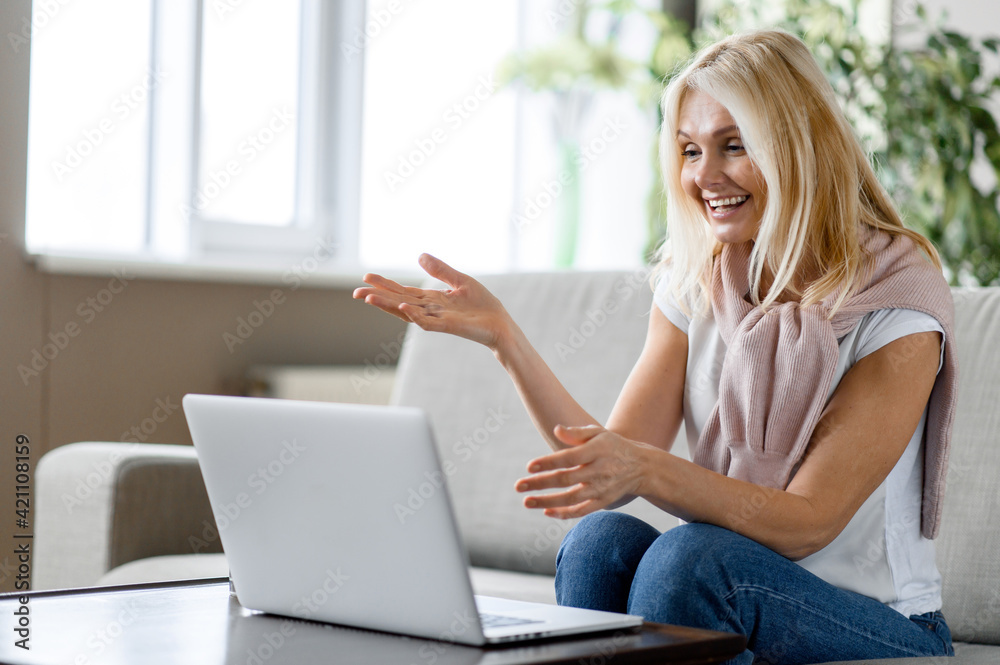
{"x":546,"y":399}
{"x":780,"y":520}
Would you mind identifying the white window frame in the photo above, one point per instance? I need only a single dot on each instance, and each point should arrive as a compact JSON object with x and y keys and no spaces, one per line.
{"x":328,"y":154}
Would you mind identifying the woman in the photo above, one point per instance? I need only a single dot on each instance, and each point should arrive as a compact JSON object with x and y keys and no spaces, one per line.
{"x":803,"y":336}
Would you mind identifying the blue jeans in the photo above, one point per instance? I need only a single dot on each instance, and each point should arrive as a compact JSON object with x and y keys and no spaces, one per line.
{"x":708,"y":577}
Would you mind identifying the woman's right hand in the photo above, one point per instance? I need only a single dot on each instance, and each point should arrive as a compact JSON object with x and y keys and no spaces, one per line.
{"x":466,"y":309}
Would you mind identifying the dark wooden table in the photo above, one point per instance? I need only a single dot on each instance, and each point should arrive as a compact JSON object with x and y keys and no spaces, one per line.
{"x":198,"y":622}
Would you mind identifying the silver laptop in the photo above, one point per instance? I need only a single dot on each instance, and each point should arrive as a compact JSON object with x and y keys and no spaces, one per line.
{"x":315,"y":512}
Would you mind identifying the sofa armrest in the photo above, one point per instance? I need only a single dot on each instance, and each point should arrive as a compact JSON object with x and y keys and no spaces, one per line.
{"x":99,"y":505}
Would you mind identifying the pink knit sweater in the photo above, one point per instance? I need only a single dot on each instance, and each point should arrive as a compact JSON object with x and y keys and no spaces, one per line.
{"x":779,"y":367}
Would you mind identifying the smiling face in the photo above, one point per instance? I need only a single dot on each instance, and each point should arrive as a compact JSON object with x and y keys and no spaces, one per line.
{"x":716,"y":171}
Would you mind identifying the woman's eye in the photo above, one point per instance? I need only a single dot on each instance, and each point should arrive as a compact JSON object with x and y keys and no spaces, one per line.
{"x":735,"y":147}
{"x":689,"y":154}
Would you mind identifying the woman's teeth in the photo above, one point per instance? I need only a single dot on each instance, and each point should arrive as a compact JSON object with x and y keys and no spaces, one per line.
{"x":731,"y":202}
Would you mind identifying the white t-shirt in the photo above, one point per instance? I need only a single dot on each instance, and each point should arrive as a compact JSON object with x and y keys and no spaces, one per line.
{"x":881,"y":552}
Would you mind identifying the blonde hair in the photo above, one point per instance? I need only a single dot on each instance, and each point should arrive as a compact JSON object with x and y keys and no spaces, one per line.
{"x":819,"y":185}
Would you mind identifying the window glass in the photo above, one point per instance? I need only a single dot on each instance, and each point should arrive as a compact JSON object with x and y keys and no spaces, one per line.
{"x":438,"y":135}
{"x":88,"y":125}
{"x":249,"y":110}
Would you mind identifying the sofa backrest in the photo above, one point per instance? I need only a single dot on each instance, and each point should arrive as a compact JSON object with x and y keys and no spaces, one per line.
{"x":968,"y":547}
{"x":590,"y":328}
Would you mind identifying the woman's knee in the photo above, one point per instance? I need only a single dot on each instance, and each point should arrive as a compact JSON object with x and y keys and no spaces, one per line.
{"x":607,"y":533}
{"x":693,"y":556}
{"x":685,"y":575}
{"x":598,"y":558}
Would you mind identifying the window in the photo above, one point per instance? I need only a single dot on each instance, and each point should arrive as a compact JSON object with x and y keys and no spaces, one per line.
{"x":187,"y":131}
{"x":246,"y":133}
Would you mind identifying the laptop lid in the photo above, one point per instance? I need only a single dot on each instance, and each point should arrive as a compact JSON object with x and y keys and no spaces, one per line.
{"x":314,"y":508}
{"x":340,"y":513}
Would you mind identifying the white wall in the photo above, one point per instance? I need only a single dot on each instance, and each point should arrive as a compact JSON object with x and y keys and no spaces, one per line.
{"x":978,"y":18}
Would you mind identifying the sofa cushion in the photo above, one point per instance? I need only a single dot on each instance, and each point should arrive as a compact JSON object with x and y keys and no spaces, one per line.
{"x":99,"y":505}
{"x":968,"y":547}
{"x":589,"y":328}
{"x":485,"y":581}
{"x":139,"y":511}
{"x":512,"y":585}
{"x":167,"y":568}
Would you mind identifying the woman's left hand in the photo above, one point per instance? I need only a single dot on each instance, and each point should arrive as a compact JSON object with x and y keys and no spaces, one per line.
{"x":599,"y":468}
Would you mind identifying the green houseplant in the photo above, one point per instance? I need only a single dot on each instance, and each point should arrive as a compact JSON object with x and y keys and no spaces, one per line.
{"x":918,"y":95}
{"x":576,"y":65}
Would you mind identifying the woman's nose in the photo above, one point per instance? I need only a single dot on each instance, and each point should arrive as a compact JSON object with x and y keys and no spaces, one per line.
{"x":708,"y":172}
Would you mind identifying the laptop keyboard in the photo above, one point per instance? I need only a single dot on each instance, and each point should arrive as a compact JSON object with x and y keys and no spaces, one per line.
{"x":501,"y":621}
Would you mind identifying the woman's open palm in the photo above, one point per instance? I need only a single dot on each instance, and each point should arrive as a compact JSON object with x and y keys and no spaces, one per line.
{"x":466,"y":309}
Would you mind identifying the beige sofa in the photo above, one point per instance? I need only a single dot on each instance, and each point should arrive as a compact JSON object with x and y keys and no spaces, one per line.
{"x":118,"y":512}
